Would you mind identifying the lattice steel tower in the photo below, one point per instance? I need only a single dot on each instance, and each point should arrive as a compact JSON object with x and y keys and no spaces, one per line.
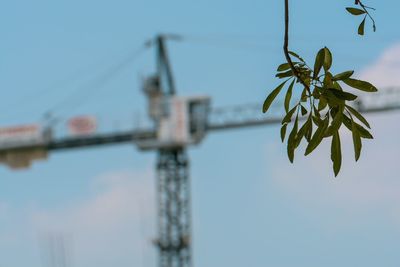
{"x":173,"y":208}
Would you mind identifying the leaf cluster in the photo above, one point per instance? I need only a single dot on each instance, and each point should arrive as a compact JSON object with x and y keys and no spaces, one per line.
{"x":321,"y":108}
{"x":362,"y":11}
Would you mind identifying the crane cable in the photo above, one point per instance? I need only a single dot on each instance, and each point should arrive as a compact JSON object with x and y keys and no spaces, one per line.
{"x":83,"y":93}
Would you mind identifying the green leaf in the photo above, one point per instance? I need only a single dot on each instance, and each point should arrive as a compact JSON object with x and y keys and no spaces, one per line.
{"x":355,"y":11}
{"x":303,"y":111}
{"x":343,"y":95}
{"x":347,"y":122}
{"x":322,"y":103}
{"x":358,"y":116}
{"x":328,"y":79}
{"x":283,"y":131}
{"x":271,"y":97}
{"x":336,"y":153}
{"x":317,"y":137}
{"x":337,"y":116}
{"x":288,"y":116}
{"x":303,"y":130}
{"x":343,"y":75}
{"x":309,"y":130}
{"x":288,"y":96}
{"x":337,"y":120}
{"x":283,"y":67}
{"x":336,"y":85}
{"x":315,"y":93}
{"x":319,"y":61}
{"x":303,"y":97}
{"x":364,"y":133}
{"x":332,"y":99}
{"x":292,"y":140}
{"x":282,"y":75}
{"x":327,"y":59}
{"x":356,"y":141}
{"x":317,"y":120}
{"x":361,"y":27}
{"x":360,"y":85}
{"x":316,"y":112}
{"x":296,"y":56}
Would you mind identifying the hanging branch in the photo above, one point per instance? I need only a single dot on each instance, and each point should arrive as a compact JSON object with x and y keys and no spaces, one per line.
{"x":323,"y":104}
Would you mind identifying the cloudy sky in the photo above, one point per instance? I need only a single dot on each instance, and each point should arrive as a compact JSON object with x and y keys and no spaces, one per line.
{"x":251,"y":207}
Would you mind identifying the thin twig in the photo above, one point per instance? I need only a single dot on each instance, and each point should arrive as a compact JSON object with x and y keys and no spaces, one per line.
{"x":364,"y":7}
{"x":286,"y":48}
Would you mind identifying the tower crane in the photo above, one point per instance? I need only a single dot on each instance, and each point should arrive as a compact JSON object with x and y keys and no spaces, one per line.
{"x":178,"y":123}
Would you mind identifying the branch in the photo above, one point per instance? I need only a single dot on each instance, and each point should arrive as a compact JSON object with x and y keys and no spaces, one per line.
{"x":286,"y":48}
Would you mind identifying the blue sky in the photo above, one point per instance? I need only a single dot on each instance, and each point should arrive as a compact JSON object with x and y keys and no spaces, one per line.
{"x":251,"y":207}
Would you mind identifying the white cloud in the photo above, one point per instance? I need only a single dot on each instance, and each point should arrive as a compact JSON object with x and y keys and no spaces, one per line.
{"x":385,"y":72}
{"x":120,"y":214}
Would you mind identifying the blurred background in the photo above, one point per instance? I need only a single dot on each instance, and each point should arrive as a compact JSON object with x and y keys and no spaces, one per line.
{"x":250,"y":206}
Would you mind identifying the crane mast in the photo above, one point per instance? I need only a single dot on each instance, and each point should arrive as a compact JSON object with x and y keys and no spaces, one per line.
{"x":174,"y":222}
{"x":173,"y":188}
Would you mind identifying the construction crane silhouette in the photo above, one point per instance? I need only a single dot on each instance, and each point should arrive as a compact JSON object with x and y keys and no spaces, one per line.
{"x":178,"y":122}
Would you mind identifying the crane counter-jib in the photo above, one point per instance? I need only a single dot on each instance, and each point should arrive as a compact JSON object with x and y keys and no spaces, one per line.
{"x":101,"y":139}
{"x":78,"y":141}
{"x":21,"y":146}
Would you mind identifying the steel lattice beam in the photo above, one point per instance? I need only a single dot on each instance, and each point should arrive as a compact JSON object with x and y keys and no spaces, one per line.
{"x":173,"y":208}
